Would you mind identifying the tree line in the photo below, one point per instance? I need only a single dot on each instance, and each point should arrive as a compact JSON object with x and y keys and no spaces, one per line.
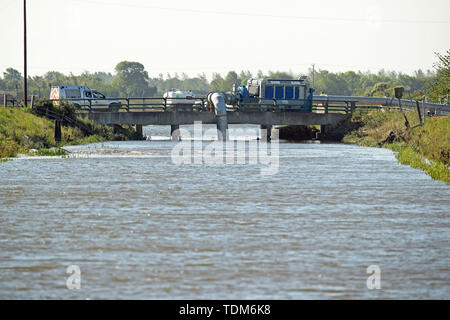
{"x":132,"y":80}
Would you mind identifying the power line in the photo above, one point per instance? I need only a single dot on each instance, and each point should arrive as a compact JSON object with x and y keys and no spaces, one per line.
{"x":260,"y":15}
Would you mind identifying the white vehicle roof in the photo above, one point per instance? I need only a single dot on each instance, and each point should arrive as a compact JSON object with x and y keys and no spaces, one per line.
{"x":71,"y":87}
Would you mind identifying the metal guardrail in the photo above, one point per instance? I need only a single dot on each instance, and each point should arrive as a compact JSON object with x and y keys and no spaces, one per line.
{"x":379,"y":101}
{"x":199,"y":103}
{"x":161,"y":104}
{"x":321,"y":104}
{"x":136,"y":104}
{"x":130,"y":104}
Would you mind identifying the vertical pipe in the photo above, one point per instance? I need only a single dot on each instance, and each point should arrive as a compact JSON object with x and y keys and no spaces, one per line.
{"x":222,"y":127}
{"x":25,"y":93}
{"x":218,"y":101}
{"x":5,"y":100}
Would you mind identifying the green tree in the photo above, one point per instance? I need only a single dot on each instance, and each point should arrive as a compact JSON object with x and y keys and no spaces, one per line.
{"x":244,"y":76}
{"x":440,"y":85}
{"x":216,"y":82}
{"x":230,"y":79}
{"x":353,"y":82}
{"x":381,"y":89}
{"x":131,"y":79}
{"x":331,"y":83}
{"x":13,"y":79}
{"x":38,"y":86}
{"x":280,"y":75}
{"x":56,"y":78}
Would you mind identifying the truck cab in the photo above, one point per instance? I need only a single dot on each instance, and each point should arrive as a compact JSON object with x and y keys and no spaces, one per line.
{"x":83,"y":97}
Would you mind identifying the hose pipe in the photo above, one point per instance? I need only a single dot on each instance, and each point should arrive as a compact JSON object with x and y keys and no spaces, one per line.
{"x":217,"y":99}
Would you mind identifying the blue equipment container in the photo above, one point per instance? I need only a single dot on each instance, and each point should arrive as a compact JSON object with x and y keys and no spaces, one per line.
{"x":295,"y":95}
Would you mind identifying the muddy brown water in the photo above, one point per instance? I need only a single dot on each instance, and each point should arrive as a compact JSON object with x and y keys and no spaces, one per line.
{"x":140,"y":227}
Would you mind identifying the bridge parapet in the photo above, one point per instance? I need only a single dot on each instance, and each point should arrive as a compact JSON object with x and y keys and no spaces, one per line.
{"x":234,"y":117}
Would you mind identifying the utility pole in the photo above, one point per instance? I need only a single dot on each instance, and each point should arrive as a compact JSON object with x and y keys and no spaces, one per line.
{"x":25,"y":93}
{"x":313,"y":75}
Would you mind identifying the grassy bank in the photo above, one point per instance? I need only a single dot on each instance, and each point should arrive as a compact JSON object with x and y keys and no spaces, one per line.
{"x":425,"y":147}
{"x":21,"y":130}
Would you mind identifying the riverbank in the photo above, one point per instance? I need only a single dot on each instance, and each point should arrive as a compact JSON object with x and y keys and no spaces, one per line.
{"x":425,"y":147}
{"x":22,"y":131}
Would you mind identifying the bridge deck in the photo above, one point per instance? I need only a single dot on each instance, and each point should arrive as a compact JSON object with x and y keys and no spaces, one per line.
{"x":235,"y":117}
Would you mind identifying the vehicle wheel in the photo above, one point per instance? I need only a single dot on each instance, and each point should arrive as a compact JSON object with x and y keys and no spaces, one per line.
{"x":114,"y":107}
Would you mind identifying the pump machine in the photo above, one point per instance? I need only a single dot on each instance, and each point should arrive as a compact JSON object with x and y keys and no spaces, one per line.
{"x":294,"y":95}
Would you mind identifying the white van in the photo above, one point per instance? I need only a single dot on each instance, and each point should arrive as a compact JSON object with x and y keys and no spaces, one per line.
{"x":83,"y":96}
{"x":181,"y":97}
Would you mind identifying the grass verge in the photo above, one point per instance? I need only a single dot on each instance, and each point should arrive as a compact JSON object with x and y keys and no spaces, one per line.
{"x":425,"y":147}
{"x":21,"y":130}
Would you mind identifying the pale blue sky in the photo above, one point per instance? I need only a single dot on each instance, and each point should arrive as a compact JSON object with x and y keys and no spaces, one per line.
{"x":206,"y":36}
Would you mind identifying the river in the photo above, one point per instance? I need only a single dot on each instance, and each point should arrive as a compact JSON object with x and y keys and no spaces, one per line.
{"x":138,"y":226}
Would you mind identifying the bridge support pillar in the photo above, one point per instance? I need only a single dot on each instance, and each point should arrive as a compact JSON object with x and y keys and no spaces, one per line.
{"x":266,"y":132}
{"x":139,"y":131}
{"x":175,"y":132}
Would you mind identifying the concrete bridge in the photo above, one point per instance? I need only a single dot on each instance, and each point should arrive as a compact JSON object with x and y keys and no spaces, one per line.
{"x":326,"y":111}
{"x":176,"y":118}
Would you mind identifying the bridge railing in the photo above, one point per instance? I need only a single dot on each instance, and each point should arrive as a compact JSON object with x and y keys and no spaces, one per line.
{"x":321,"y":104}
{"x":129,"y":104}
{"x":380,"y":102}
